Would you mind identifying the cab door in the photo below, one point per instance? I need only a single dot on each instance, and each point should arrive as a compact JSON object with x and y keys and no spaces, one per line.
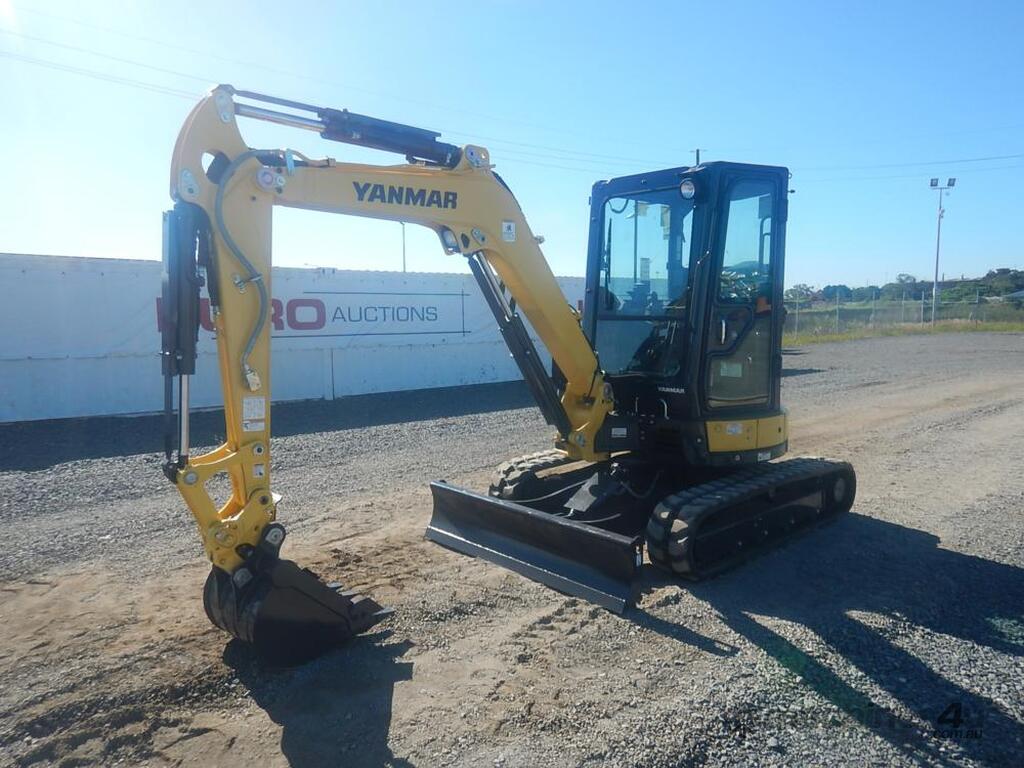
{"x":743,"y":348}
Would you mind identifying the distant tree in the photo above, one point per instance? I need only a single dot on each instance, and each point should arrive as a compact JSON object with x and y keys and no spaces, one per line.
{"x":964,"y":290}
{"x":828,"y":293}
{"x":866,"y":293}
{"x":997,"y":282}
{"x":799,"y":292}
{"x":1003,"y":281}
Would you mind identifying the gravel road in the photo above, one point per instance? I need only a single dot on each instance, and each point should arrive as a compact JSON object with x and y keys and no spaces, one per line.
{"x":893,"y":636}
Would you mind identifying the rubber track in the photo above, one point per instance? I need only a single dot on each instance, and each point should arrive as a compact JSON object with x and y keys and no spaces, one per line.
{"x":671,"y":527}
{"x":510,"y":476}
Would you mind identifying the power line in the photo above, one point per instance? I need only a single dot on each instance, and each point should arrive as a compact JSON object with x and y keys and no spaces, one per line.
{"x":209,"y":54}
{"x":498,"y":144}
{"x":306,"y":77}
{"x":106,"y":56}
{"x":131,"y":83}
{"x":557,"y":149}
{"x":562,"y":154}
{"x":904,"y":175}
{"x":910,"y":165}
{"x":448,"y":108}
{"x":189,"y":96}
{"x":597,"y":167}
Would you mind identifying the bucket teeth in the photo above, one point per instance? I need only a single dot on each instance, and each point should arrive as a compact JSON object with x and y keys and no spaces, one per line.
{"x":287,"y":613}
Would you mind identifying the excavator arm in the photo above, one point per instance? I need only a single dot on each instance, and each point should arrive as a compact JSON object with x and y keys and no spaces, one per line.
{"x":220,"y":232}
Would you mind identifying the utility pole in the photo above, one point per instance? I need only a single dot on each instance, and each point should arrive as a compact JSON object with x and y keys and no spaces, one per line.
{"x":950,"y":183}
{"x":837,"y":312}
{"x":903,"y":308}
{"x":403,"y":245}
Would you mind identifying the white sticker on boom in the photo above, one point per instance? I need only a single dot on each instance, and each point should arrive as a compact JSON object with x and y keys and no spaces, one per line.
{"x":508,"y":231}
{"x":253,"y":426}
{"x":254,"y":408}
{"x":620,"y":431}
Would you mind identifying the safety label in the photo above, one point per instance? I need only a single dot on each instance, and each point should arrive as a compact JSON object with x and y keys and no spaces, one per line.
{"x":508,"y":231}
{"x":254,"y":407}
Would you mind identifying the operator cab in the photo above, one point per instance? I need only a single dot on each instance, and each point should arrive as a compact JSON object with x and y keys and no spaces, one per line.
{"x":684,"y":300}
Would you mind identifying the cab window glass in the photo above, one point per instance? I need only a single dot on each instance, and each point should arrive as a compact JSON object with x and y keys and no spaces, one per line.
{"x":646,"y":257}
{"x":747,"y":256}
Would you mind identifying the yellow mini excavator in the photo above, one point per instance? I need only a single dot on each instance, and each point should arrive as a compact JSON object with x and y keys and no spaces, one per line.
{"x":664,"y":394}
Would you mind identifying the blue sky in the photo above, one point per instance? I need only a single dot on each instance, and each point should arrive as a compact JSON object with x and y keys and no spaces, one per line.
{"x":864,"y":102}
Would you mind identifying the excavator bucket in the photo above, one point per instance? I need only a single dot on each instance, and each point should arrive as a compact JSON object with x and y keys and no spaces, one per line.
{"x":287,"y":613}
{"x":574,"y":558}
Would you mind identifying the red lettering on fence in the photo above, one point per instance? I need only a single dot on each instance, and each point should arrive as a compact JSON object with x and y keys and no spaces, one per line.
{"x":318,"y":322}
{"x":275,"y":314}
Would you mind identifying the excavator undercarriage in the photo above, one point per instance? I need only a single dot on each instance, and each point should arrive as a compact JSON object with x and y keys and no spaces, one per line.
{"x":582,"y":528}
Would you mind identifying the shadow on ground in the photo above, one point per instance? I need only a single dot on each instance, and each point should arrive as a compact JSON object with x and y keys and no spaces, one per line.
{"x":34,"y":445}
{"x":859,"y":563}
{"x":333,"y":711}
{"x":786,"y":372}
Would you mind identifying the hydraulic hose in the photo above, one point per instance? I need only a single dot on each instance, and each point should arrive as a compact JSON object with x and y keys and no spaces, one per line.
{"x":253,"y":275}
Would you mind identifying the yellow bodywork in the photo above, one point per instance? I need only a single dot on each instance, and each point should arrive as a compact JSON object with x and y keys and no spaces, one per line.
{"x":478,"y":221}
{"x":737,"y":435}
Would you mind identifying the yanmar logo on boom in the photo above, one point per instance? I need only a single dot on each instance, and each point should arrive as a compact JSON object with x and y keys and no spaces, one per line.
{"x":367,"y":192}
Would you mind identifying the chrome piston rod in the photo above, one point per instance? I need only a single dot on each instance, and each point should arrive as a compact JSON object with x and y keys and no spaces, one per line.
{"x":281,"y":118}
{"x":183,"y":420}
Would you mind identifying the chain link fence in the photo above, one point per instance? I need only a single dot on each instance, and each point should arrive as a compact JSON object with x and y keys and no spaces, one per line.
{"x":819,"y":318}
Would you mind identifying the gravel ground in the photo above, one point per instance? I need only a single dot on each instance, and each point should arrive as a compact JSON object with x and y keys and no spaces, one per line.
{"x":894,"y":636}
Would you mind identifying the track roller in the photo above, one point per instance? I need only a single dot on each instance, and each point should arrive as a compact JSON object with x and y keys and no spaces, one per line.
{"x":518,"y":479}
{"x":710,"y":526}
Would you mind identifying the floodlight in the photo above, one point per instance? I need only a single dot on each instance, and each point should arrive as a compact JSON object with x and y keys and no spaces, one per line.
{"x":935,"y":182}
{"x":951,"y":182}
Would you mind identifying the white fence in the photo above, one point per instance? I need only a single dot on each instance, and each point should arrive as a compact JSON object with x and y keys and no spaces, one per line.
{"x":81,"y":338}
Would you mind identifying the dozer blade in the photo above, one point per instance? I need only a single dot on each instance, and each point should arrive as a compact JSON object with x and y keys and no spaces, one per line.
{"x":574,"y":558}
{"x":287,"y":613}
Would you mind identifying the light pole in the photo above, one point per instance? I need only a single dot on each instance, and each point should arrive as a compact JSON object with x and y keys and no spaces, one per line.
{"x":950,"y":183}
